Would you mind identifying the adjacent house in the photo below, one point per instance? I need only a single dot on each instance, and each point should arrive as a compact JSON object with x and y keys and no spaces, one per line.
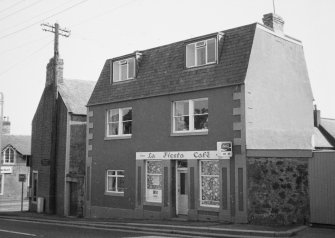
{"x":15,"y":157}
{"x":156,"y":118}
{"x":59,"y":144}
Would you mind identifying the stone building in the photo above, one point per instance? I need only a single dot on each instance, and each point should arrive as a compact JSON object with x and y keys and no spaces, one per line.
{"x":15,"y":156}
{"x":59,"y":144}
{"x":156,"y":118}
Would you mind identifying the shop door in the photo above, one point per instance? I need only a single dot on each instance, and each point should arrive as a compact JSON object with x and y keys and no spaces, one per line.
{"x":182,"y":192}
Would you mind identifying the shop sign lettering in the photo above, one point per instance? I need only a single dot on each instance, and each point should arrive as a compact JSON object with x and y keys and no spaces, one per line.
{"x":177,"y":155}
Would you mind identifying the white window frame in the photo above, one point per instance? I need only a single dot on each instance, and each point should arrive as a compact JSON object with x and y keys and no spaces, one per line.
{"x":119,"y":64}
{"x":146,"y":181}
{"x":202,"y":43}
{"x":200,"y":185}
{"x":2,"y":183}
{"x":33,"y":187}
{"x":120,"y":122}
{"x":11,"y":151}
{"x":190,"y":115}
{"x":116,"y":176}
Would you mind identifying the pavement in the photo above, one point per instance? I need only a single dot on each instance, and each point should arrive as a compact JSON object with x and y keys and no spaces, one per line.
{"x":173,"y":227}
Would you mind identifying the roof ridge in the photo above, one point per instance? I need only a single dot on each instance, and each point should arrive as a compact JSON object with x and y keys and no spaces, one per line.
{"x":333,"y":119}
{"x":184,"y":40}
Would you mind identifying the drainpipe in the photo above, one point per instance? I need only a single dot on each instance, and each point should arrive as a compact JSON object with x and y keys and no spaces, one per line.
{"x":1,"y":118}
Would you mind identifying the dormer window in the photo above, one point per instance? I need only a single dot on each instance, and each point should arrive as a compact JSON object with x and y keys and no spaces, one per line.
{"x":123,"y":69}
{"x":201,"y":53}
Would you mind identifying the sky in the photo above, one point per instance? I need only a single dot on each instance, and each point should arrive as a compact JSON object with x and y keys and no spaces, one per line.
{"x":104,"y":29}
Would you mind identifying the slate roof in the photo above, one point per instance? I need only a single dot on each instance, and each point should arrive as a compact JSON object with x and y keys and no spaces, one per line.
{"x":329,"y":125}
{"x":162,"y":70}
{"x":19,"y":142}
{"x":75,"y":94}
{"x":320,"y":140}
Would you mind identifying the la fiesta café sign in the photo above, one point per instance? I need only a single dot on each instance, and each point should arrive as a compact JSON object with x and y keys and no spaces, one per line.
{"x":177,"y":155}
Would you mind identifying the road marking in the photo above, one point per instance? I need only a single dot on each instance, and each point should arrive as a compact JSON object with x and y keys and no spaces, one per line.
{"x":19,"y":233}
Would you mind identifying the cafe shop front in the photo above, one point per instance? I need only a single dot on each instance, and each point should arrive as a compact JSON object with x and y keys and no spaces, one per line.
{"x":194,"y":185}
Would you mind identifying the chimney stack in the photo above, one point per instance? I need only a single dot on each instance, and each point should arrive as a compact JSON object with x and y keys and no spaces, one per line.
{"x":5,"y":126}
{"x":317,"y":117}
{"x":50,"y":78}
{"x":274,"y":21}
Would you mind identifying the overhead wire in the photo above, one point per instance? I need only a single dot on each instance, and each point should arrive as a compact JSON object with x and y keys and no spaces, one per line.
{"x":41,"y":14}
{"x":46,"y":18}
{"x":26,"y":58}
{"x":13,"y":5}
{"x":20,"y":10}
{"x":22,"y":45}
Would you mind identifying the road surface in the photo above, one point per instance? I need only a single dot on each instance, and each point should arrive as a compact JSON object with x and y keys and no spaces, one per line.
{"x":29,"y":229}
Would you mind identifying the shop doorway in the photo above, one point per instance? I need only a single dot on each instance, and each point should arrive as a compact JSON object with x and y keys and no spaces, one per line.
{"x":181,"y":190}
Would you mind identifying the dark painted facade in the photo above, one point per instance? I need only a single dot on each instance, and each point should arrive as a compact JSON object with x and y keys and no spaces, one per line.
{"x":259,"y":98}
{"x":58,"y":144}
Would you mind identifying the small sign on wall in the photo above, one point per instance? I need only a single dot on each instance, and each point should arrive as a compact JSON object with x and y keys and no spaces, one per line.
{"x":6,"y":169}
{"x":224,"y":148}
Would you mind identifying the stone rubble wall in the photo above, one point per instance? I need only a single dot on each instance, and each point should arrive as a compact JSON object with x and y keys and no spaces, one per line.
{"x":278,"y":191}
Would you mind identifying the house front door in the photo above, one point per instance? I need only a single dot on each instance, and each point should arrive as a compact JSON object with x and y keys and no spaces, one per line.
{"x":182,"y":191}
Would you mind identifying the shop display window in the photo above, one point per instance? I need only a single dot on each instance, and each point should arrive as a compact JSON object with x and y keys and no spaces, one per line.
{"x":154,"y":179}
{"x":209,"y":183}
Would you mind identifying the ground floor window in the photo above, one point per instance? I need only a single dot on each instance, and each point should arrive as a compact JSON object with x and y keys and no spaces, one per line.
{"x":154,"y":181}
{"x":2,"y":178}
{"x":209,"y":183}
{"x":115,"y":181}
{"x":34,"y":186}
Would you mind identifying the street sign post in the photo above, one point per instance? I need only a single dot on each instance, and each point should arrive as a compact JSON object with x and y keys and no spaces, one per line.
{"x":22,"y":179}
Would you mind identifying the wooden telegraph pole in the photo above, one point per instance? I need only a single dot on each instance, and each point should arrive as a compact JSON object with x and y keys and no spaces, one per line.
{"x":57,"y":31}
{"x":54,"y":130}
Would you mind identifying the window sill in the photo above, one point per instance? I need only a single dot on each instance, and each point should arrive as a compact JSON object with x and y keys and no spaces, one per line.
{"x":123,"y":81}
{"x":193,"y":133}
{"x":205,"y":208}
{"x":159,"y":204}
{"x":123,"y":137}
{"x":205,"y":66}
{"x":116,"y":194}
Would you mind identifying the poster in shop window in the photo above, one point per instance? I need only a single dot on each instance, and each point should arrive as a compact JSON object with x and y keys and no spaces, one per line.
{"x":154,"y":195}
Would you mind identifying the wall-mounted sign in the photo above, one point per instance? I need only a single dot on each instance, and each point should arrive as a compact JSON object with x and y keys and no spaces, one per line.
{"x":224,"y":148}
{"x":45,"y":162}
{"x":6,"y":169}
{"x":22,"y":177}
{"x":177,"y":155}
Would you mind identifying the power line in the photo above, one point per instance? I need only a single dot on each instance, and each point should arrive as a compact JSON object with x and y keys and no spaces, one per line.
{"x":55,"y":14}
{"x":24,"y":59}
{"x":20,"y":10}
{"x":22,"y":23}
{"x":22,"y":45}
{"x":102,"y":14}
{"x":13,"y":5}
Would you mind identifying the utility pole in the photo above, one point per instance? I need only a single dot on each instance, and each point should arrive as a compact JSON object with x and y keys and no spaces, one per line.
{"x":54,"y":128}
{"x":1,"y":119}
{"x":57,"y":31}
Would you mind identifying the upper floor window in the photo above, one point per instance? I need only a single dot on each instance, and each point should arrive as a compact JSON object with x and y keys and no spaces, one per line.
{"x":119,"y":121}
{"x":201,"y":53}
{"x":124,"y":69}
{"x":190,"y":115}
{"x":8,"y":156}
